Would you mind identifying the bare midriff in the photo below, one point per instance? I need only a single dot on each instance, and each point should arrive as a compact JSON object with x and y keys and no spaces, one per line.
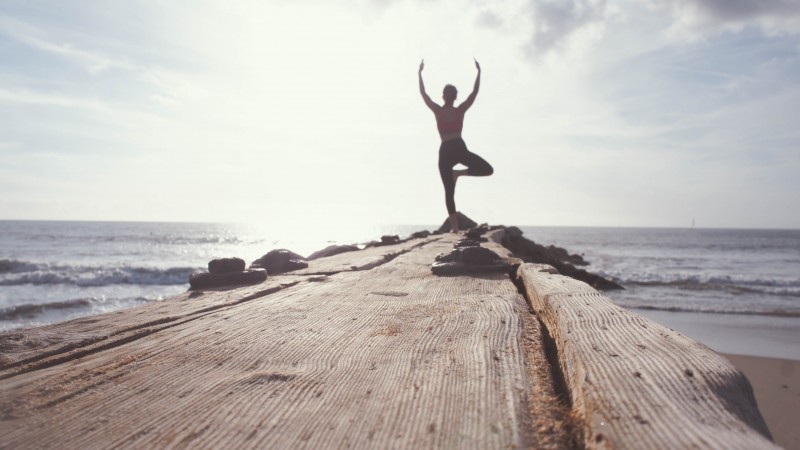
{"x":450,"y":135}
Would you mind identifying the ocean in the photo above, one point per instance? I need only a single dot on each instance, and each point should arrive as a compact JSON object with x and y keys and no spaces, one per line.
{"x":707,"y":283}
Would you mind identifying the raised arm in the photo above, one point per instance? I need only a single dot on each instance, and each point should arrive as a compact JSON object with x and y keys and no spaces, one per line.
{"x":422,"y":92}
{"x":471,"y":99}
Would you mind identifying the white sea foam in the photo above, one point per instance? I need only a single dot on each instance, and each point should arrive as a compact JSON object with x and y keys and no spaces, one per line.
{"x":24,"y":272}
{"x":776,"y":285}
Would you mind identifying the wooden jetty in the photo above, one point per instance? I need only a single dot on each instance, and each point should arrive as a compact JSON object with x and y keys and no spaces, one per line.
{"x":368,"y":349}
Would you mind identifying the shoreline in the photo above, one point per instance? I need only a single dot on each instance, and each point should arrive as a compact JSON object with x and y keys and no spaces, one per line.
{"x":736,"y":334}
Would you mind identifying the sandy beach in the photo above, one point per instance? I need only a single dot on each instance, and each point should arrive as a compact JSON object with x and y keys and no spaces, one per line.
{"x":776,"y":383}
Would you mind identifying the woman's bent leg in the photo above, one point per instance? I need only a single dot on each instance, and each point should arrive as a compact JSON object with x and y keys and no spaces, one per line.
{"x":476,"y":166}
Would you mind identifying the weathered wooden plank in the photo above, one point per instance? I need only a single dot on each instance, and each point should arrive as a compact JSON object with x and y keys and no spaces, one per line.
{"x":365,"y":259}
{"x":41,"y":345}
{"x":636,"y":383}
{"x":85,"y":334}
{"x":393,"y":357}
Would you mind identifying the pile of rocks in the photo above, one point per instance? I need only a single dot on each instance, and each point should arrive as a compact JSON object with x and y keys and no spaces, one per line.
{"x":468,"y":257}
{"x":280,"y":261}
{"x":464,"y":223}
{"x":557,"y":257}
{"x":231,"y":271}
{"x":387,"y":239}
{"x":226,"y":272}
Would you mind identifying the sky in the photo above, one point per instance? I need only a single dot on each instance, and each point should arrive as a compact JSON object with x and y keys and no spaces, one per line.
{"x":651,"y":113}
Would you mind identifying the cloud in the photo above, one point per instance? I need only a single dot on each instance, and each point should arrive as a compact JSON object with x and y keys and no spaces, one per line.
{"x":698,"y":17}
{"x":490,"y":19}
{"x":36,"y":38}
{"x":557,"y":23}
{"x":560,"y":25}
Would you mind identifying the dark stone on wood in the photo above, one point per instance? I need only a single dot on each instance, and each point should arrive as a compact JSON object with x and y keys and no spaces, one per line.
{"x":464,"y":223}
{"x":226,"y":265}
{"x":469,"y":260}
{"x":332,"y":250}
{"x":390,"y":239}
{"x":466,"y":243}
{"x":478,"y":255}
{"x":476,"y":233}
{"x":280,"y":261}
{"x":420,"y":234}
{"x":211,"y":280}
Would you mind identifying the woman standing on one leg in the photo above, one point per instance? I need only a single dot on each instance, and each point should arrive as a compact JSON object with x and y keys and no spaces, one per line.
{"x":450,"y":121}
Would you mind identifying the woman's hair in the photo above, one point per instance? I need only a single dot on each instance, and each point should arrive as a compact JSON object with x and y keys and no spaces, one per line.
{"x":449,"y":93}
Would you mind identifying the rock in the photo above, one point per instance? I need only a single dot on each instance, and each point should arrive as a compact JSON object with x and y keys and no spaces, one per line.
{"x":226,"y":265}
{"x":557,"y":257}
{"x":513,"y":233}
{"x":211,"y":280}
{"x":466,"y":243}
{"x":593,"y":280}
{"x":478,"y":255}
{"x":464,"y":223}
{"x":390,"y":239}
{"x":448,"y":257}
{"x":420,"y":234}
{"x":476,"y":233}
{"x":332,"y":250}
{"x":280,"y":261}
{"x":469,"y":260}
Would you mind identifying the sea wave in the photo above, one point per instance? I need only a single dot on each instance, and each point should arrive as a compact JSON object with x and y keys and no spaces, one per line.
{"x":177,"y":240}
{"x":735,"y":283}
{"x":33,"y":310}
{"x":14,"y":272}
{"x":714,"y":310}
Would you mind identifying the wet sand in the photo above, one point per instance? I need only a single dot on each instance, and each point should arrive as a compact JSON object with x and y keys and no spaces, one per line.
{"x":776,"y":383}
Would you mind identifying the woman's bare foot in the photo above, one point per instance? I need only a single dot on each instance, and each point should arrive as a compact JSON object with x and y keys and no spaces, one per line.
{"x":454,"y":222}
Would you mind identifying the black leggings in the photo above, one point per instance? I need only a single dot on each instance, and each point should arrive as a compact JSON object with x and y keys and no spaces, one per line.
{"x":454,"y":152}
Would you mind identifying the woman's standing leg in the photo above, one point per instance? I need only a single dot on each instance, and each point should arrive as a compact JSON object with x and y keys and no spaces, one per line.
{"x":446,"y":163}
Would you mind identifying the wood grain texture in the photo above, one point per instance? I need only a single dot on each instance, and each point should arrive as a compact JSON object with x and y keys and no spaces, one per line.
{"x":365,"y":259}
{"x":43,"y":345}
{"x":25,"y":349}
{"x":392,"y":357}
{"x":637,"y":384}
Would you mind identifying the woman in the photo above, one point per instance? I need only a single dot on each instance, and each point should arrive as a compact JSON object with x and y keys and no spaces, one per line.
{"x":453,"y":150}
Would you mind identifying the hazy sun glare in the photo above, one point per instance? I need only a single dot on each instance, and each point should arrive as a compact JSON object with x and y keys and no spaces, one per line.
{"x":280,"y":110}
